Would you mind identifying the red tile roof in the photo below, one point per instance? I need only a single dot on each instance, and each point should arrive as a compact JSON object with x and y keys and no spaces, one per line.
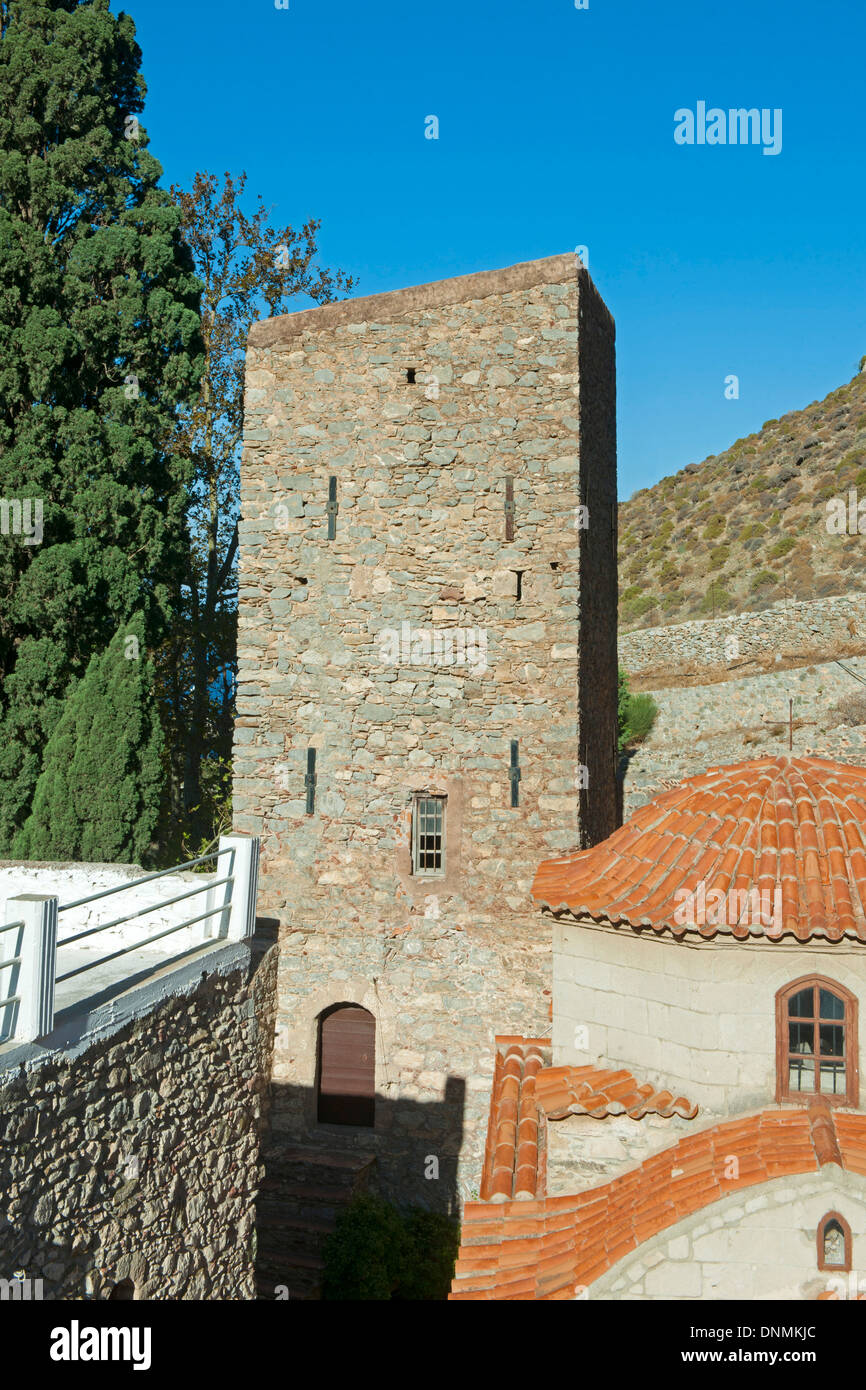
{"x":554,"y":1247}
{"x":799,"y":823}
{"x":525,"y":1091}
{"x":598,"y":1092}
{"x":514,"y":1157}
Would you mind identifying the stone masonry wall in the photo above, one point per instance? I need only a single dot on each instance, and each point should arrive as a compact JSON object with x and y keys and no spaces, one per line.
{"x":806,"y":629}
{"x":338,"y":643}
{"x":759,"y":1245}
{"x":139,"y":1157}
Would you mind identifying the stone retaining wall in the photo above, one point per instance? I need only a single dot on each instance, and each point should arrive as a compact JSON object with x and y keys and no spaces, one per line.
{"x":797,"y":629}
{"x":138,"y":1158}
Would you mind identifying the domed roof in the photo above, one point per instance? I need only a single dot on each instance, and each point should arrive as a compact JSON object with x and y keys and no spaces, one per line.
{"x":770,"y":847}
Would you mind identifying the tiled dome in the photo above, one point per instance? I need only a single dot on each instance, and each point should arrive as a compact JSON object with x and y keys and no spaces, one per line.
{"x":794,"y":829}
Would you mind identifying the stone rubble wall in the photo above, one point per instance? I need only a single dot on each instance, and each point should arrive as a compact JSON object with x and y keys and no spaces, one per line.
{"x":502,"y":390}
{"x":793,"y":629}
{"x":439,"y":996}
{"x":139,"y":1158}
{"x":753,"y":703}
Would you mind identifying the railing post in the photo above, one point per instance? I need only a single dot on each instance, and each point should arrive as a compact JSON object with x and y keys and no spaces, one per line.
{"x":35,"y":975}
{"x":239,"y":855}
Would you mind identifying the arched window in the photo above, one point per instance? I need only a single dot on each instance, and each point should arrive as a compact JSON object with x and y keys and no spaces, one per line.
{"x":816,"y":1041}
{"x":834,"y":1242}
{"x":347,"y":1066}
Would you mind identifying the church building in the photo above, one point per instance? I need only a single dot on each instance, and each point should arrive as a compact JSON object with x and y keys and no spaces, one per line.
{"x":694,"y":1128}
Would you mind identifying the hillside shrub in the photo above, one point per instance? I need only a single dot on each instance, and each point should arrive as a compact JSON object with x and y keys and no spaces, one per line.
{"x":635,"y":608}
{"x":716,"y":599}
{"x":851,"y":709}
{"x":762,"y":580}
{"x":781,"y":548}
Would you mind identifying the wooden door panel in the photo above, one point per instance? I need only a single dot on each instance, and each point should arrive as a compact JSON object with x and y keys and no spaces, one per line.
{"x":347,"y":1067}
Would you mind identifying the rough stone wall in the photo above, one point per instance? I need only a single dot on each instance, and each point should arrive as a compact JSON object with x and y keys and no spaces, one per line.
{"x":139,"y":1157}
{"x":753,"y":704}
{"x":694,"y":1017}
{"x":420,"y":548}
{"x":808,"y":629}
{"x":583,"y":1150}
{"x":758,"y":1245}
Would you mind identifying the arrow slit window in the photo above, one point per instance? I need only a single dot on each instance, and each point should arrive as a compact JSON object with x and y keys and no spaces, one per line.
{"x":428,"y":836}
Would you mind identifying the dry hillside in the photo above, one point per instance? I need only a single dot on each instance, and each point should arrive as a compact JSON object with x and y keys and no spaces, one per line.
{"x":749,"y":526}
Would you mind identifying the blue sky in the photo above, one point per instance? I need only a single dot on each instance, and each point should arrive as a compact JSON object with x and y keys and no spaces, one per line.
{"x":556,"y":130}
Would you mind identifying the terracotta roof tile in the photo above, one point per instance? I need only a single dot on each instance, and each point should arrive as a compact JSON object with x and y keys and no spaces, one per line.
{"x":513,"y":1162}
{"x":547,"y":1249}
{"x":598,"y":1092}
{"x":799,"y":823}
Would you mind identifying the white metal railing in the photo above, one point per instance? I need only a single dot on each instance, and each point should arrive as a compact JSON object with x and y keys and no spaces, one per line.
{"x":27,"y":1011}
{"x":9,"y":963}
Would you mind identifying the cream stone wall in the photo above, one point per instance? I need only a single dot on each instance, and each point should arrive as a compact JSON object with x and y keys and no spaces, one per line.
{"x":696,"y":1016}
{"x":757,"y":1244}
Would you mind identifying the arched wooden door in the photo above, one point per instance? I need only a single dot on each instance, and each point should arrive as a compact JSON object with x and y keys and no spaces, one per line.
{"x":347,"y":1066}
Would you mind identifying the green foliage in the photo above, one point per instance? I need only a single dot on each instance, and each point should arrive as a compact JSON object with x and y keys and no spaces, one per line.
{"x":635,"y":608}
{"x":635,"y":714}
{"x":377,"y":1253}
{"x":715,"y":600}
{"x":98,"y":796}
{"x":763,"y":579}
{"x":714,"y":527}
{"x":781,"y":548}
{"x":642,"y":713}
{"x":99,"y":342}
{"x":432,"y":1243}
{"x":719,"y":557}
{"x":248,"y":268}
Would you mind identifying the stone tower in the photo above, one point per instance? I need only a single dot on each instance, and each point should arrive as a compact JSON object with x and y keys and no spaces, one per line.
{"x":427,"y":683}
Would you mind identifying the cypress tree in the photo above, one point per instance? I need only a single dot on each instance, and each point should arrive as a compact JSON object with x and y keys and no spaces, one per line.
{"x":98,"y":796}
{"x":99,"y":343}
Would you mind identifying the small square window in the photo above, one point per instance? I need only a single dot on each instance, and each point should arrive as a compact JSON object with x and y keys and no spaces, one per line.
{"x":428,"y":836}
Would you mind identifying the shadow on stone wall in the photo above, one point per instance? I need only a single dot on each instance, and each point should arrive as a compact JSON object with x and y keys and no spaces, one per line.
{"x":312,"y":1171}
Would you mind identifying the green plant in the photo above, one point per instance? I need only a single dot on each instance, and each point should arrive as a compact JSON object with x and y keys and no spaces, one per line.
{"x":98,"y":796}
{"x":100,"y":333}
{"x":715,"y":600}
{"x":636,"y":608}
{"x":378,"y":1253}
{"x":763,"y":579}
{"x":642,"y":714}
{"x":782,"y":547}
{"x":635,"y":714}
{"x":719,"y":557}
